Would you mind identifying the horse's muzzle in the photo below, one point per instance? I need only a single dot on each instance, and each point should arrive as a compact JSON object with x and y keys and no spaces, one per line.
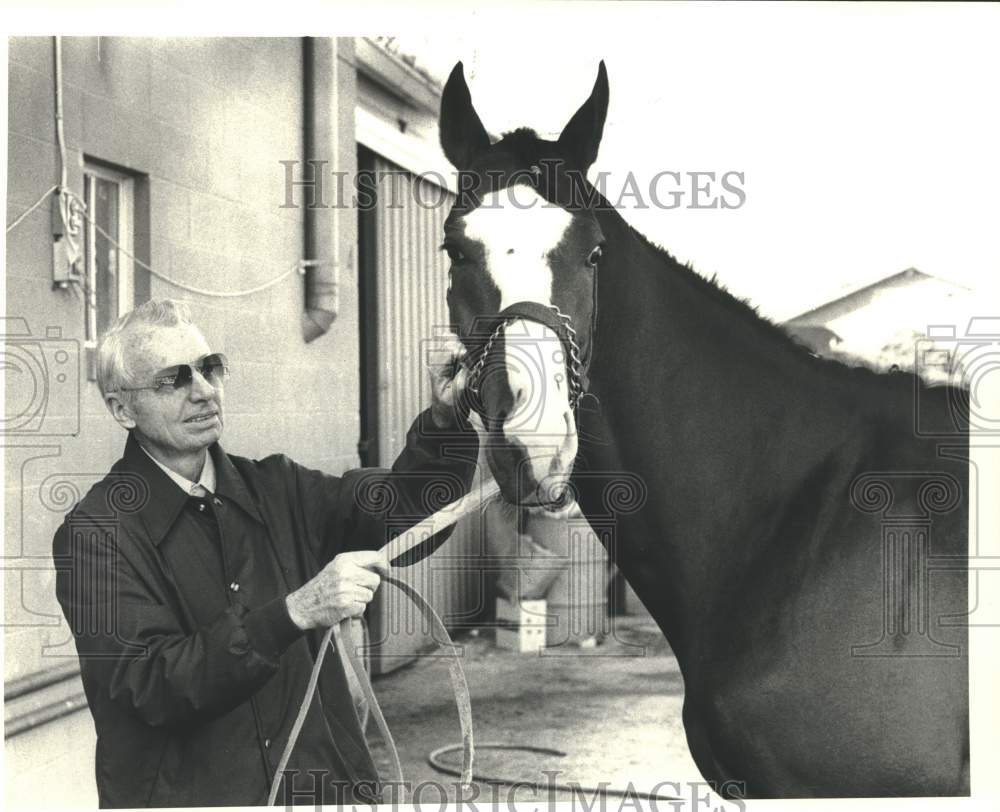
{"x":530,"y":477}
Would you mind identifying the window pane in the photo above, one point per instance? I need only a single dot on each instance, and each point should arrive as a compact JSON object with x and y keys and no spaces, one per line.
{"x":90,"y":318}
{"x":106,"y":256}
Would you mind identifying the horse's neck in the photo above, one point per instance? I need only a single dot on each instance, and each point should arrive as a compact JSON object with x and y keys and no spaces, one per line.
{"x":718,"y":414}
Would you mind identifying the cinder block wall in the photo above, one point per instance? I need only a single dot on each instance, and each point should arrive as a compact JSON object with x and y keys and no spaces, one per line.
{"x":204,"y":122}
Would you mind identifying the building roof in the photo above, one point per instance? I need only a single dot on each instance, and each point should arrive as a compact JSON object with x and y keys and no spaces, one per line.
{"x":863,"y":296}
{"x":384,"y":63}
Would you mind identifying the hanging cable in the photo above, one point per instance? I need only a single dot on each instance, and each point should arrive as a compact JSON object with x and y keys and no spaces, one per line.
{"x":68,"y":197}
{"x":299,"y":266}
{"x":20,"y":217}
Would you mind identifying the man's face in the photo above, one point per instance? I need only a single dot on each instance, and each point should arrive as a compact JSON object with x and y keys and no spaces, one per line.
{"x":173,"y":422}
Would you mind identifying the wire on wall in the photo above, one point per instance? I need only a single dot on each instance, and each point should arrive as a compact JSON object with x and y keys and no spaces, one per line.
{"x":24,"y":214}
{"x":68,"y":197}
{"x":298,"y":267}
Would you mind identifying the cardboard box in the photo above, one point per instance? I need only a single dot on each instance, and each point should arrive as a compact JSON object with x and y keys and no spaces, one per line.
{"x":521,"y":626}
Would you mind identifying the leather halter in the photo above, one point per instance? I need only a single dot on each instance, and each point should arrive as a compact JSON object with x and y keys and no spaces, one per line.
{"x":559,"y":323}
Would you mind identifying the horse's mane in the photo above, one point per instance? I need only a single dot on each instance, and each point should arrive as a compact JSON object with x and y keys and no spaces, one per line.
{"x":523,"y":146}
{"x":858,"y":370}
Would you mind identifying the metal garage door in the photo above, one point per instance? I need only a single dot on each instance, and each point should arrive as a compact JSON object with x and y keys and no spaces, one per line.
{"x":403,"y":282}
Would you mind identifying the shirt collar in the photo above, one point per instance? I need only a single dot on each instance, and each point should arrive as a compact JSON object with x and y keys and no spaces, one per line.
{"x":164,"y":500}
{"x":206,"y":480}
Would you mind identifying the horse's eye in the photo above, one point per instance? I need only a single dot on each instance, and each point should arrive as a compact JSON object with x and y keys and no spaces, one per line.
{"x":595,"y":256}
{"x":453,"y":253}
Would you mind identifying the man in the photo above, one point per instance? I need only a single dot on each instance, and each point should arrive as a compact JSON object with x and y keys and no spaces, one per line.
{"x":198,"y":584}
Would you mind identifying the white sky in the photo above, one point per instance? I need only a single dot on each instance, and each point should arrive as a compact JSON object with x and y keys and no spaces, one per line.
{"x":867,"y":134}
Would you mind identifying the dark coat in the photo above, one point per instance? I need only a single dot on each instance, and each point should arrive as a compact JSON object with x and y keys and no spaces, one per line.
{"x":193,"y":679}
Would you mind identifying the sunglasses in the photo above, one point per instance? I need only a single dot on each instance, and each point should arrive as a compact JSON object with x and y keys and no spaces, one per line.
{"x":213,"y":368}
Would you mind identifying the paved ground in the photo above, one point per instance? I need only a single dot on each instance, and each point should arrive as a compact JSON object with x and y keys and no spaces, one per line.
{"x":614,"y":709}
{"x":614,"y":714}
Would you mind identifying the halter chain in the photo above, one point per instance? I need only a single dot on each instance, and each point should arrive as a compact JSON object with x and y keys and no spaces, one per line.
{"x":567,"y":336}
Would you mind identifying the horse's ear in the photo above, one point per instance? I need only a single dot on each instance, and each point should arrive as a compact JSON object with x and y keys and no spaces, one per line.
{"x":581,"y":138}
{"x":463,"y":135}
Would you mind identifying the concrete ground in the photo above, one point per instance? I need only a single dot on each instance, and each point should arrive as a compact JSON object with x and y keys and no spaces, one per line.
{"x":614,"y":709}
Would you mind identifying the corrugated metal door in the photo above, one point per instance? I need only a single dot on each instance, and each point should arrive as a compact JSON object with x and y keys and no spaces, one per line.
{"x":407,"y":304}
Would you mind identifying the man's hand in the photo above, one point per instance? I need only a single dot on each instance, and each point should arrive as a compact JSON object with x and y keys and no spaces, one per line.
{"x":342,"y":589}
{"x":448,"y":378}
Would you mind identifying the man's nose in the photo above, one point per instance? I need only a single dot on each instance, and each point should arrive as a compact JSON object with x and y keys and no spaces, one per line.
{"x":201,"y":387}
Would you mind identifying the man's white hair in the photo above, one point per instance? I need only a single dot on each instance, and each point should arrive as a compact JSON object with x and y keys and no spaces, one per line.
{"x":112,"y":367}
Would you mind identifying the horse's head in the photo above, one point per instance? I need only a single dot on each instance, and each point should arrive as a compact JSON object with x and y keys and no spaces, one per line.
{"x":524,"y":244}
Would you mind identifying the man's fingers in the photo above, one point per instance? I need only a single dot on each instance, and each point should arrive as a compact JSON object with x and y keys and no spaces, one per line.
{"x":368,"y":559}
{"x":445,"y":351}
{"x":445,"y":366}
{"x":378,"y":563}
{"x":366,"y":579}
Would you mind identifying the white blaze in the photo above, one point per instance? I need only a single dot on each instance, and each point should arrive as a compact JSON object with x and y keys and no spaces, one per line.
{"x":517,"y":229}
{"x":541,"y":419}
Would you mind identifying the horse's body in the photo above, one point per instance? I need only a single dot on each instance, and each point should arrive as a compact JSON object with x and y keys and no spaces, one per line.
{"x":748,"y":551}
{"x":806,"y":612}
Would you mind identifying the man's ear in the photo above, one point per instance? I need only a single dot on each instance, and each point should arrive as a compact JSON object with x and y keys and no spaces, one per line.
{"x":120,"y":410}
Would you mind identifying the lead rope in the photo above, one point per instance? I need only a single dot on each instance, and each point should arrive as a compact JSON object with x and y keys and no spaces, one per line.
{"x":337,"y":635}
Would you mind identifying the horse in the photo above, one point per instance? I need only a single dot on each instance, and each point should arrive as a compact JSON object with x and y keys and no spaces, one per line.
{"x":797,"y":527}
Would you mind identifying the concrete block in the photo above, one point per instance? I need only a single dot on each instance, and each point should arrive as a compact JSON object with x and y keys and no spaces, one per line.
{"x":217,"y":224}
{"x":224,"y":63}
{"x":209,"y":105}
{"x":119,"y":134}
{"x":31,"y":169}
{"x":222,"y":173}
{"x":115,"y":68}
{"x":170,"y":94}
{"x":267,"y":238}
{"x":30,"y":103}
{"x":169,"y":212}
{"x":31,"y":106}
{"x":204,"y":268}
{"x":32,"y":52}
{"x":272,"y":75}
{"x":177,"y":155}
{"x":189,"y":55}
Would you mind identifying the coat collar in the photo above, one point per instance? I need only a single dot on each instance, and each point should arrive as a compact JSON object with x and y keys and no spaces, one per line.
{"x":166,"y":498}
